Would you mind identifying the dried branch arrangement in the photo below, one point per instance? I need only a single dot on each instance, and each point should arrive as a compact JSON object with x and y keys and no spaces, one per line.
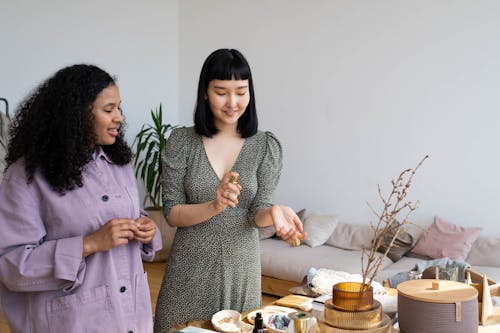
{"x":394,"y":205}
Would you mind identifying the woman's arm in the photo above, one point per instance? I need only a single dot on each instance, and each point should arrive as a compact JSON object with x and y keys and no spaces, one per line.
{"x":29,"y":262}
{"x":188,"y":215}
{"x":286,"y":222}
{"x":226,"y":194}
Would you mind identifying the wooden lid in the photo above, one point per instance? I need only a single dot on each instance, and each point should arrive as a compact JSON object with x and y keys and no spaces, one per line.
{"x":437,"y":291}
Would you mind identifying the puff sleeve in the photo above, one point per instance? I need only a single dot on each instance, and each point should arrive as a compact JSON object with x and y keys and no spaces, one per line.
{"x":268,"y":174}
{"x":174,"y":166}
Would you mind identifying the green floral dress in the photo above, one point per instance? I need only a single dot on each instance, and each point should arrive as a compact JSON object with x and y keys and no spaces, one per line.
{"x":214,"y":265}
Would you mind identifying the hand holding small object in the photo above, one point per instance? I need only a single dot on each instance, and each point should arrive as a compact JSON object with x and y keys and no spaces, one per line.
{"x":146,"y":230}
{"x":287,"y":224}
{"x":227,"y":192}
{"x":114,"y":233}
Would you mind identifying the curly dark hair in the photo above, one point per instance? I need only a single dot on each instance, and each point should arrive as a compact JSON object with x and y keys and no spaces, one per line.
{"x":53,"y":129}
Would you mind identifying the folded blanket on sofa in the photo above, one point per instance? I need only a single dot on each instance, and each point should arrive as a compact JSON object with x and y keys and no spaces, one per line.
{"x":443,"y":262}
{"x":424,"y":264}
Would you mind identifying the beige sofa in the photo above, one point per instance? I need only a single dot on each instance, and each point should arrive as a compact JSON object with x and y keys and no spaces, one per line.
{"x":284,"y":266}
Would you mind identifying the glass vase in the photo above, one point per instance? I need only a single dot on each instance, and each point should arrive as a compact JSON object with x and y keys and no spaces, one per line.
{"x":350,"y":296}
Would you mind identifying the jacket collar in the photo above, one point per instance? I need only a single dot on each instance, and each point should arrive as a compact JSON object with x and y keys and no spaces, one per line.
{"x":99,"y":153}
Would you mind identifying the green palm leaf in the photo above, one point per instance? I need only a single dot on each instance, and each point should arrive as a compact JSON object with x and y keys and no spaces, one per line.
{"x":148,"y":144}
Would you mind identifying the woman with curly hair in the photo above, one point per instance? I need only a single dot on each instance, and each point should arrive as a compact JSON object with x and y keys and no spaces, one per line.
{"x":72,"y":232}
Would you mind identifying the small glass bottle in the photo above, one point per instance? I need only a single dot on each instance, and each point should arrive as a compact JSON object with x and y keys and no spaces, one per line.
{"x":258,"y":323}
{"x":414,"y":275}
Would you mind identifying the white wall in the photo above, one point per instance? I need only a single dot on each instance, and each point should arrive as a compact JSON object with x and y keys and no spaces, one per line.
{"x":355,"y":90}
{"x":136,"y":41}
{"x":359,"y":90}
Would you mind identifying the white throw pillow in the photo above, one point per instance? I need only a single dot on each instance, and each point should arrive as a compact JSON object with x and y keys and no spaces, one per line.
{"x":319,"y":228}
{"x":485,"y":252}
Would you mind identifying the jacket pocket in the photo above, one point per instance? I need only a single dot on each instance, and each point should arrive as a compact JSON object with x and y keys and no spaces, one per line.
{"x":143,"y":303}
{"x":86,"y":311}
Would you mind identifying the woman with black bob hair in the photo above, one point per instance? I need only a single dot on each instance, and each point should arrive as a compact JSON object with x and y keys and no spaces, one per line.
{"x":218,"y":183}
{"x":224,"y":64}
{"x":73,"y":237}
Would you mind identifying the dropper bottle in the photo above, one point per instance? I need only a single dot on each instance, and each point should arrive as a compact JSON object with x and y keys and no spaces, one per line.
{"x":258,"y":328}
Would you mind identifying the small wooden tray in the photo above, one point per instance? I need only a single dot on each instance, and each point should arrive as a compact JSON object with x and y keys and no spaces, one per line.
{"x":296,"y":301}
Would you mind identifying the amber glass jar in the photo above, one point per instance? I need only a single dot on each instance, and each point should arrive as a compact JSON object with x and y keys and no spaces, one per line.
{"x":348,"y":296}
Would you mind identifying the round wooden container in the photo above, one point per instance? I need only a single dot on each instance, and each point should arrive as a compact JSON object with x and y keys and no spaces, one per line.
{"x":437,"y":306}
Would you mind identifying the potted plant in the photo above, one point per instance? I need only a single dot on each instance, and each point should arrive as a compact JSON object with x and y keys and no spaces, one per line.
{"x":149,"y":144}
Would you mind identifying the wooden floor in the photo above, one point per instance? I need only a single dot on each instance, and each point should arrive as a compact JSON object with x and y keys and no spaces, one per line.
{"x":4,"y":328}
{"x":155,"y":275}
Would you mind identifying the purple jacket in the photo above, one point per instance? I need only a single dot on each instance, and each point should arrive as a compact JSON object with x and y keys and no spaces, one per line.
{"x":46,"y":284}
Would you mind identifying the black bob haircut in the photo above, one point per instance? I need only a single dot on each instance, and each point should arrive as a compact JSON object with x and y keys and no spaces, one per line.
{"x":224,"y":64}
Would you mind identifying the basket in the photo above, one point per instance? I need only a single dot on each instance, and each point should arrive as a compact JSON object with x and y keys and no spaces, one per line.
{"x":437,"y":306}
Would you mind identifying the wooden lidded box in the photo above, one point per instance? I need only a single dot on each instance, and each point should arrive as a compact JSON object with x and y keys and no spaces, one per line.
{"x":437,"y":306}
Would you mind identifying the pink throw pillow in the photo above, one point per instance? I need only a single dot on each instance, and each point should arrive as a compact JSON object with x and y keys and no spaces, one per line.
{"x":445,"y":239}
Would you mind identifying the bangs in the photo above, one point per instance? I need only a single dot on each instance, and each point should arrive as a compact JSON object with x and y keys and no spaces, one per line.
{"x":229,"y":69}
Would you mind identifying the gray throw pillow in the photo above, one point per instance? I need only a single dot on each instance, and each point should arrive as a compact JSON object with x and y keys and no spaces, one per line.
{"x":351,"y":236}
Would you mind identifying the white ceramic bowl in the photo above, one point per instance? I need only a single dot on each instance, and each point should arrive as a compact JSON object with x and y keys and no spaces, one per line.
{"x":268,"y":310}
{"x":227,"y":321}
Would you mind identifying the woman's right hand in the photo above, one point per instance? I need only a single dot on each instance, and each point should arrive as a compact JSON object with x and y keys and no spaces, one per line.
{"x":226,"y":194}
{"x":114,"y":233}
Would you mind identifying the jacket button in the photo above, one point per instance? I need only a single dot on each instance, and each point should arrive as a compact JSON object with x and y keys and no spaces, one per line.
{"x":122,"y":289}
{"x":104,"y":198}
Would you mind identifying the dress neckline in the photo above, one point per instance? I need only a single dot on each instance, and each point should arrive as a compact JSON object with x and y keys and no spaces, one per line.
{"x":236,"y":162}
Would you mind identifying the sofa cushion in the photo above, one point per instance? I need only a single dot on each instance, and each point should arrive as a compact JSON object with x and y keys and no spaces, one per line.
{"x":319,"y":227}
{"x":267,"y":232}
{"x":351,"y":236}
{"x":445,"y":239}
{"x":401,"y":244}
{"x":485,"y":252}
{"x":283,"y":261}
{"x":492,"y":273}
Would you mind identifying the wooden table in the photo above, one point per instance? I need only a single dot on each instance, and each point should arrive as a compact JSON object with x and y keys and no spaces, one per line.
{"x":207,"y":324}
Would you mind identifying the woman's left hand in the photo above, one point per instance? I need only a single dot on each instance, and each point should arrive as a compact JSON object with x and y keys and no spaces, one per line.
{"x":287,"y":224}
{"x":146,"y":230}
